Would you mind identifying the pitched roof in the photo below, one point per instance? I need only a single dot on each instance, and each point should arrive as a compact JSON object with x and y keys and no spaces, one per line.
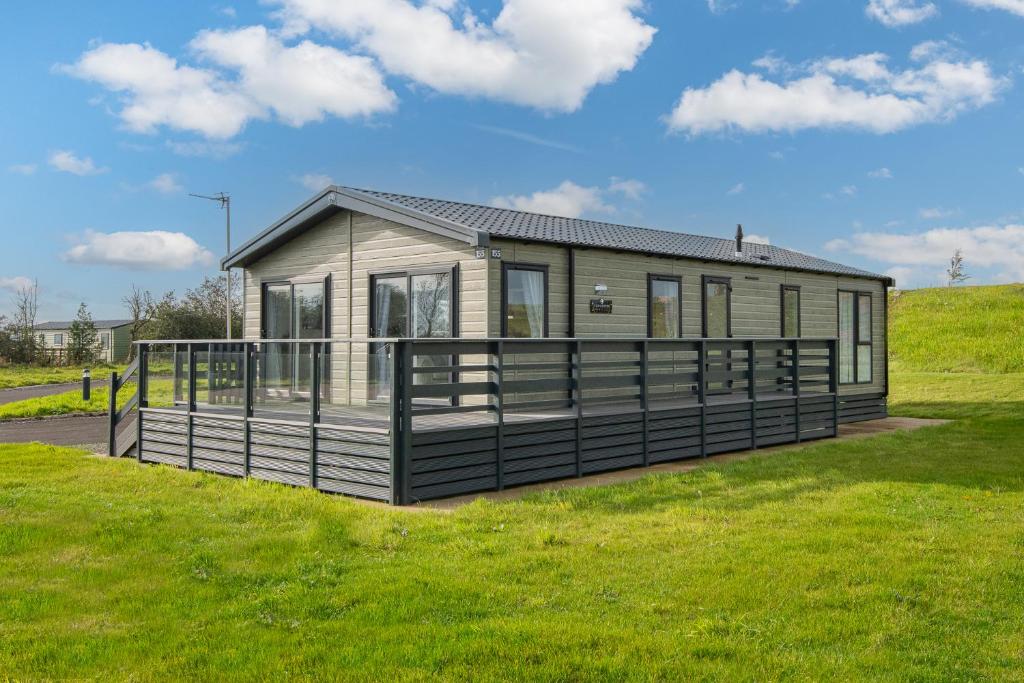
{"x":477,"y":223}
{"x":66,"y":324}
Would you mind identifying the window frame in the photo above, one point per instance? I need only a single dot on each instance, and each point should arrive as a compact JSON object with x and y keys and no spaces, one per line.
{"x":651,"y":279}
{"x":104,"y":340}
{"x":291,"y":282}
{"x":858,"y":294}
{"x":451,"y":269}
{"x":782,"y":310}
{"x":705,"y":280}
{"x":58,"y":339}
{"x":535,"y":267}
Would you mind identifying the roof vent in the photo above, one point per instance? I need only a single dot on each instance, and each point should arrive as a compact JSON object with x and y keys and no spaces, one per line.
{"x":739,"y":240}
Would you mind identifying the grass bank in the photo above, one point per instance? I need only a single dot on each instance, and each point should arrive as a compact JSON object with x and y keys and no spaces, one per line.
{"x":13,"y":376}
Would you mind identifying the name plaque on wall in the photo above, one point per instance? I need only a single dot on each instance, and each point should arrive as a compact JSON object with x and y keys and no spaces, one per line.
{"x":600,"y":305}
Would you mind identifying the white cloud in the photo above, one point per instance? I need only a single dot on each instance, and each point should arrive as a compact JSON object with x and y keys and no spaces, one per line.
{"x":299,"y":84}
{"x":204,"y":148}
{"x":22,"y":169}
{"x":1000,"y":248}
{"x":166,"y":183}
{"x":229,"y":11}
{"x":861,"y":93}
{"x":756,"y":239}
{"x":935,"y":212}
{"x":142,"y":250}
{"x":738,"y":188}
{"x":903,"y":276}
{"x":628,"y":187}
{"x":880,"y":174}
{"x":15,"y":283}
{"x":568,"y":199}
{"x":314,"y":182}
{"x":720,"y":6}
{"x":893,"y":13}
{"x":536,"y":53}
{"x":849,"y":190}
{"x":64,"y":160}
{"x":1015,"y":6}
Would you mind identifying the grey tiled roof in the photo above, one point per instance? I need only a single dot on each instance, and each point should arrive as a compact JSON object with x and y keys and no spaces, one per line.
{"x":536,"y":227}
{"x":66,"y":324}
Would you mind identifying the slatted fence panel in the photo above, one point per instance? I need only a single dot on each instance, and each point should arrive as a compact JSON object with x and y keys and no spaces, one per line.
{"x":353,"y":462}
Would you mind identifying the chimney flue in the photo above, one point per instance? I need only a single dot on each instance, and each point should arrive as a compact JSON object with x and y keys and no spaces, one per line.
{"x":739,"y":240}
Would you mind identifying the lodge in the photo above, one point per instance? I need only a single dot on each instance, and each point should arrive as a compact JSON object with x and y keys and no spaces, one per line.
{"x":403,"y":348}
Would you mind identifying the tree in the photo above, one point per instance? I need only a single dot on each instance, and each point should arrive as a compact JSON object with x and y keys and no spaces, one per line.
{"x":197,"y":315}
{"x":82,"y":338}
{"x":24,"y":346}
{"x":140,"y":307}
{"x":955,"y":273}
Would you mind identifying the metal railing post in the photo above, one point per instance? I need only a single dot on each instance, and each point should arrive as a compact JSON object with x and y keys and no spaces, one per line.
{"x":702,"y":360}
{"x":142,"y":387}
{"x":833,"y":382}
{"x":112,"y":416}
{"x":314,"y":408}
{"x":407,"y":363}
{"x":248,"y":367}
{"x":752,"y":389}
{"x":579,"y":407}
{"x":499,"y":377}
{"x":189,"y":420}
{"x":395,"y":426}
{"x":644,"y":402}
{"x":796,"y":386}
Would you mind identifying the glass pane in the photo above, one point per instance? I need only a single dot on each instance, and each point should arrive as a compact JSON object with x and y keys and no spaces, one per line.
{"x":220,"y":380}
{"x":390,"y":304}
{"x":716,"y":310}
{"x":525,"y":305}
{"x":864,"y":317}
{"x":664,"y":309}
{"x":278,"y":391}
{"x":864,"y":363}
{"x":308,"y":305}
{"x":277,"y":312}
{"x":431,"y":304}
{"x":790,"y":313}
{"x":164,"y":386}
{"x":846,"y":340}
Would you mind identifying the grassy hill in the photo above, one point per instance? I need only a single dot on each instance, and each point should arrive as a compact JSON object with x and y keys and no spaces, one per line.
{"x":958,"y":329}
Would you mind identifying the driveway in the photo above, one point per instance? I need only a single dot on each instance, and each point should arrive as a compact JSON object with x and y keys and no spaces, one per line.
{"x":76,"y":430}
{"x":22,"y":393}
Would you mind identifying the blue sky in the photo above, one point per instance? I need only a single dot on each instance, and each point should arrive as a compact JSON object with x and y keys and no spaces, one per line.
{"x":879,"y":133}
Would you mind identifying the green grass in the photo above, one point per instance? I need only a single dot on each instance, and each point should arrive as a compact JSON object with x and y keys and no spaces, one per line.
{"x":958,"y":329}
{"x":12,"y":376}
{"x":897,"y":557}
{"x":71,"y":403}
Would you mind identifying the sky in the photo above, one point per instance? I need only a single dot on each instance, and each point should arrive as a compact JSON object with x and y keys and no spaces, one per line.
{"x":883,"y":134}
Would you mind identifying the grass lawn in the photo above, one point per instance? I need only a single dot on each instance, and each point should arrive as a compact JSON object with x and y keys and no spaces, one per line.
{"x":13,"y":376}
{"x":894,"y":558}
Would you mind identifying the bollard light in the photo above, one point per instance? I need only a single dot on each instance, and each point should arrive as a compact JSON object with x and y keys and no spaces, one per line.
{"x":86,"y":382}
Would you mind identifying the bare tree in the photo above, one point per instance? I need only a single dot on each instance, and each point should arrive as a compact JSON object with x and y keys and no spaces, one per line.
{"x":140,"y":306}
{"x":956,"y":273}
{"x":26,"y":305}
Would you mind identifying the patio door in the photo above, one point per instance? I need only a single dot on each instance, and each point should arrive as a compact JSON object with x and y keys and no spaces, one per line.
{"x":292,"y":310}
{"x":416,"y":304}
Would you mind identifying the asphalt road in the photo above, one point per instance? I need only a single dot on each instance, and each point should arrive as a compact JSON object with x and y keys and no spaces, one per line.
{"x":88,"y":431}
{"x":22,"y":393}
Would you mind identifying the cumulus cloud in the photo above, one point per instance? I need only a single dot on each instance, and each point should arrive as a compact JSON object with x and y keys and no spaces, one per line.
{"x":859,"y":93}
{"x":141,"y":250}
{"x":738,"y":188}
{"x":536,"y":53}
{"x":15,"y":283}
{"x":628,"y":187}
{"x":314,"y":182}
{"x":999,"y":248}
{"x":568,"y":199}
{"x":22,"y":169}
{"x":880,"y":174}
{"x":258,"y":75}
{"x":1015,"y":6}
{"x":66,"y":161}
{"x":756,"y":239}
{"x":894,"y":13}
{"x":166,"y":183}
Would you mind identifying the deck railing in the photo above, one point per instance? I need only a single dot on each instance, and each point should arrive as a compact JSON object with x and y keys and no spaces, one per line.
{"x":443,"y":416}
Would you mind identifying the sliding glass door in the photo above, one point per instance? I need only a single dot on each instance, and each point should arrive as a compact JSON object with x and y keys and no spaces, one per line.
{"x":291,"y":310}
{"x":410,"y":304}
